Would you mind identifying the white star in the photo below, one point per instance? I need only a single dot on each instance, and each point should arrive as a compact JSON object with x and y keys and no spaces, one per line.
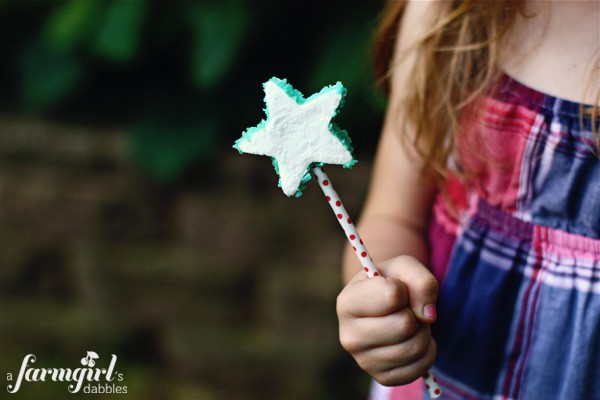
{"x":298,"y":133}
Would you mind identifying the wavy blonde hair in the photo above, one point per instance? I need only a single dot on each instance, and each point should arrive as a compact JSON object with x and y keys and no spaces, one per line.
{"x":456,"y":65}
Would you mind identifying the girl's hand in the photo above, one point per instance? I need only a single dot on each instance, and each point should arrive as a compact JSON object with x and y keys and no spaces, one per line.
{"x":384,"y":321}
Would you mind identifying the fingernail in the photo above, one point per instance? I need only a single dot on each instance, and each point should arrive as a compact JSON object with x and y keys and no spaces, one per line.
{"x":429,"y":311}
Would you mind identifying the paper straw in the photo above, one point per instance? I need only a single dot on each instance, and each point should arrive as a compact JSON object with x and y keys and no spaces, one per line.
{"x":361,"y":251}
{"x":346,"y":222}
{"x":431,"y":384}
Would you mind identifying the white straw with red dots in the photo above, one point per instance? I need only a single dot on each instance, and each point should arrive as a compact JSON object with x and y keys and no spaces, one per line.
{"x":346,"y":222}
{"x":431,"y":384}
{"x":361,"y":251}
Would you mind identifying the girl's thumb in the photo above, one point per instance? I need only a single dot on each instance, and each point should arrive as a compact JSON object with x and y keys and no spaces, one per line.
{"x":421,"y":285}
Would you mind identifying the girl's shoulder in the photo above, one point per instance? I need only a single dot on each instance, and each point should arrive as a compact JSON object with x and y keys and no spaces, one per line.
{"x":555,"y":50}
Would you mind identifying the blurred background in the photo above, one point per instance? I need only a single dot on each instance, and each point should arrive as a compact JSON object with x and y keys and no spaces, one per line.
{"x":129,"y":224}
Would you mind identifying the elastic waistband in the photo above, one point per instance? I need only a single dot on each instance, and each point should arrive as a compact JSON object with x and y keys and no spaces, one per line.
{"x":555,"y":240}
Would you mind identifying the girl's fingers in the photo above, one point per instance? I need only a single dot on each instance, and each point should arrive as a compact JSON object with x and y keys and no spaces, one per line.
{"x":407,"y":353}
{"x":401,"y":375}
{"x":360,"y":334}
{"x":371,"y":297}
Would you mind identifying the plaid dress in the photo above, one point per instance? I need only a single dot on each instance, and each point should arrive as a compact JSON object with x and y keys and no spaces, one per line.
{"x":517,"y":253}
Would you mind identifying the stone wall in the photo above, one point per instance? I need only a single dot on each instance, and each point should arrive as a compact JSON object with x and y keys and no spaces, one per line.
{"x":216,"y":288}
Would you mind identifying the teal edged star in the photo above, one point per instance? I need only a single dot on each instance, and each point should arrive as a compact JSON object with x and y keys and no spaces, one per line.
{"x":298,"y":133}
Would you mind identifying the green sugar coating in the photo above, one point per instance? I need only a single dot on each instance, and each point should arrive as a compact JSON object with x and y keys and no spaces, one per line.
{"x":299,"y":98}
{"x":250,"y":131}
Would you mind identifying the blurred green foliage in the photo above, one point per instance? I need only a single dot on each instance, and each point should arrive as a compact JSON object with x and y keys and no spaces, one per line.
{"x":184,"y":77}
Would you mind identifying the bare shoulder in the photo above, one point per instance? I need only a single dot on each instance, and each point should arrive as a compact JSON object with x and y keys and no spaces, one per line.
{"x":557,"y":49}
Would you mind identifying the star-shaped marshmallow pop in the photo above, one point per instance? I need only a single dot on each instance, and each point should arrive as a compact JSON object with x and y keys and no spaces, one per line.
{"x":298,"y":133}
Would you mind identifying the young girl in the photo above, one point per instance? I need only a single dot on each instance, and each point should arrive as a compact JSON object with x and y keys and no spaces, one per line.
{"x":486,"y":183}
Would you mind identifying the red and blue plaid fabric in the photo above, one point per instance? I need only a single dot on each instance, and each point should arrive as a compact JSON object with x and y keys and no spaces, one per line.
{"x":517,"y":253}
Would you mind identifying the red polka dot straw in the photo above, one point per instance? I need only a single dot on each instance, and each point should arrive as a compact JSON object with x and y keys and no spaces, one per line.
{"x":361,"y":251}
{"x":345,"y":221}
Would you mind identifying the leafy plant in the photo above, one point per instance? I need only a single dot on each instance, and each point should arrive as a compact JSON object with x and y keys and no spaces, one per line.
{"x":183,"y":76}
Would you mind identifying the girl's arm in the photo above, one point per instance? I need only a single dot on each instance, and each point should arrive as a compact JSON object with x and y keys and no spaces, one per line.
{"x":384,"y":321}
{"x":395,"y":218}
